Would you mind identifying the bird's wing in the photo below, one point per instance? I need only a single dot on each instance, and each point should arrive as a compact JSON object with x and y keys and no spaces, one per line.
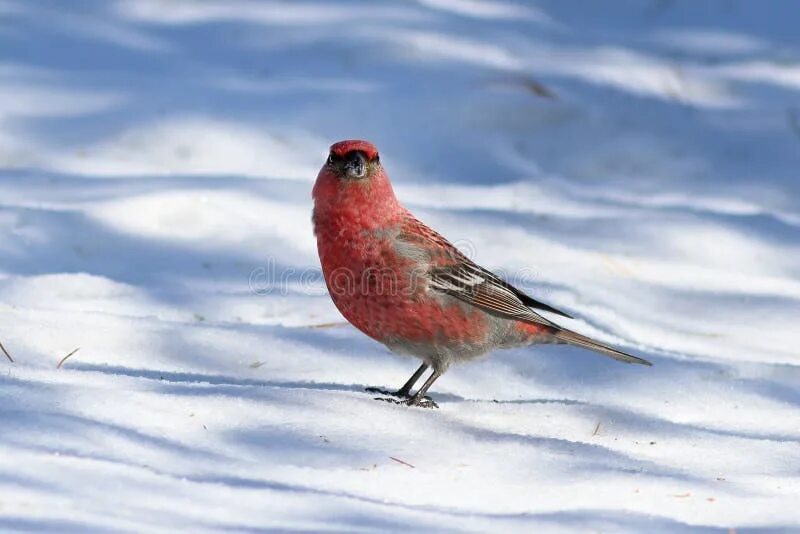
{"x":453,"y":273}
{"x":467,"y":284}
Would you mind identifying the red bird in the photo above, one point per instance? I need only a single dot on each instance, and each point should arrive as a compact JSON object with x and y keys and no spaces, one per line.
{"x":404,"y":285}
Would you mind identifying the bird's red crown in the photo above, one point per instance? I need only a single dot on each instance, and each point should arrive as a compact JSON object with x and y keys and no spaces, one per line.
{"x":342,"y":148}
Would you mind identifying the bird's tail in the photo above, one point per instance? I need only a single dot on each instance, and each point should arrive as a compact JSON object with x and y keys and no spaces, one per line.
{"x":574,"y":338}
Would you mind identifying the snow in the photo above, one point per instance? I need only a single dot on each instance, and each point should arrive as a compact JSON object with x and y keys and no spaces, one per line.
{"x":634,"y":163}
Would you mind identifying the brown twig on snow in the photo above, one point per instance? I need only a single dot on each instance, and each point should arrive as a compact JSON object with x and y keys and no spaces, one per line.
{"x":326,"y":325}
{"x":528,"y":83}
{"x":537,"y":88}
{"x":6,"y":353}
{"x":65,"y":358}
{"x":399,"y":461}
{"x":596,"y":429}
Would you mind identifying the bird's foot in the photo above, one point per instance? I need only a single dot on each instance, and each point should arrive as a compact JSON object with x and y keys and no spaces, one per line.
{"x":403,"y":397}
{"x":421,"y":402}
{"x":425,"y":402}
{"x":380,"y":391}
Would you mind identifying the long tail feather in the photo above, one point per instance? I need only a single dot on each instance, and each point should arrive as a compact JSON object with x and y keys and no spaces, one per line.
{"x":574,"y":338}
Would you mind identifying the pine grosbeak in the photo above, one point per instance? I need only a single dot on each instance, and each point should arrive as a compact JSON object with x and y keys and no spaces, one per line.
{"x":404,"y":285}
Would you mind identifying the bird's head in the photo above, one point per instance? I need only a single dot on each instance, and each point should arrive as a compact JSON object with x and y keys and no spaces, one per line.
{"x":352,"y":178}
{"x":353,"y":160}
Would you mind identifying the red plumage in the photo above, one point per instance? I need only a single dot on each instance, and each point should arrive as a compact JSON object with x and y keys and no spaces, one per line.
{"x":403,"y":284}
{"x":342,"y":148}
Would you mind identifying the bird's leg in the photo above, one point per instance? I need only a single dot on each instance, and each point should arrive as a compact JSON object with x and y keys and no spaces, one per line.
{"x":419,"y":398}
{"x":405,"y":391}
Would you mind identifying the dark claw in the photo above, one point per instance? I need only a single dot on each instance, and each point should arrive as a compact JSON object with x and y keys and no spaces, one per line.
{"x":400,"y":397}
{"x":424,"y":402}
{"x":389,"y":399}
{"x":400,"y":394}
{"x":381,"y":391}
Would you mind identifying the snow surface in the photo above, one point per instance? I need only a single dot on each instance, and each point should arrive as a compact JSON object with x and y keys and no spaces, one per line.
{"x":633,"y":162}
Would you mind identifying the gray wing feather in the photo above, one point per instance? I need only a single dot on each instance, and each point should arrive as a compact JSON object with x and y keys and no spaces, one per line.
{"x":465,"y":282}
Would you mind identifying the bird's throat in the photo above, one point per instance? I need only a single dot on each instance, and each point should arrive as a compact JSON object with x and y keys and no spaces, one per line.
{"x":355,"y":205}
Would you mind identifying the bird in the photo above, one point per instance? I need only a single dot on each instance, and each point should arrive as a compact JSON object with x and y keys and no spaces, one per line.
{"x":404,"y":285}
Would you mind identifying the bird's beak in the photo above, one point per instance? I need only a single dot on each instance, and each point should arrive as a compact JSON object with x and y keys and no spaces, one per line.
{"x":356,"y":165}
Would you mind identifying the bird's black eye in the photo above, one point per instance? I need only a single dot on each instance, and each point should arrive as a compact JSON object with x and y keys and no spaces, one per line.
{"x":332,"y":158}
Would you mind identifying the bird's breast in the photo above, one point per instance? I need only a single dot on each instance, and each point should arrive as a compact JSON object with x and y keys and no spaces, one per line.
{"x":382,"y":289}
